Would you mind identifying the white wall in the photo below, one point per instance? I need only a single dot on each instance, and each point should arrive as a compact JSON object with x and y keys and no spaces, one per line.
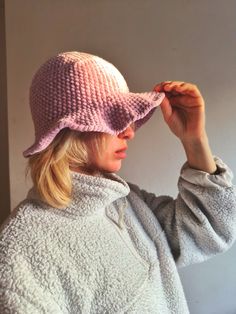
{"x":149,"y":41}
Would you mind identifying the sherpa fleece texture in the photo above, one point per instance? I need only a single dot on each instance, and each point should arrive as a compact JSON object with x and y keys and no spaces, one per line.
{"x":84,"y":259}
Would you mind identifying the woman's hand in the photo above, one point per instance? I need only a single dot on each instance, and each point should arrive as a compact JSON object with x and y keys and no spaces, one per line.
{"x":183,"y":109}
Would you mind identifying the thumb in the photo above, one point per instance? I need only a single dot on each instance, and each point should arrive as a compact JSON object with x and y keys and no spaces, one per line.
{"x":166,"y":109}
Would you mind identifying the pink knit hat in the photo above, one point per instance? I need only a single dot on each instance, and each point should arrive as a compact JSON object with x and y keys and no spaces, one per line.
{"x":84,"y":92}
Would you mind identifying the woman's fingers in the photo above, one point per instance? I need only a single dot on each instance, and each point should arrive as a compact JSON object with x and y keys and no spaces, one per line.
{"x":165,"y":83}
{"x":181,"y":101}
{"x":159,"y":87}
{"x":173,"y":88}
{"x":180,"y":87}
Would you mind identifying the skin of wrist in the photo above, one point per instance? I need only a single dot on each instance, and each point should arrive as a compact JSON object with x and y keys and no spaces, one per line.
{"x":196,"y":140}
{"x":199,"y":154}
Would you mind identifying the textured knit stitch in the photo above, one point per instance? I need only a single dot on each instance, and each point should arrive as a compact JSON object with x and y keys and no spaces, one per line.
{"x":84,"y":92}
{"x":79,"y":260}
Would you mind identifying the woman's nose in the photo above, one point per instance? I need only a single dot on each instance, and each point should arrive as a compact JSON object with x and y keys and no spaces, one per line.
{"x":128,"y":133}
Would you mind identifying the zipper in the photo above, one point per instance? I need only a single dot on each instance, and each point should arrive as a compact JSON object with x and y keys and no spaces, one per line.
{"x":131,"y":248}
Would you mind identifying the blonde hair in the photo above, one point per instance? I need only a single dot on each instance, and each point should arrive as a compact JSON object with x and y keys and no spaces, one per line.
{"x":50,"y":168}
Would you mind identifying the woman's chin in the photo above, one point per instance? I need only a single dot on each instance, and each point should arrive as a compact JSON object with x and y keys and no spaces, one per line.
{"x":112,"y":168}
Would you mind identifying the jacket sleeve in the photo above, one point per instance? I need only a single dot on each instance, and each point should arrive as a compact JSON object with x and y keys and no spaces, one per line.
{"x":201,"y":221}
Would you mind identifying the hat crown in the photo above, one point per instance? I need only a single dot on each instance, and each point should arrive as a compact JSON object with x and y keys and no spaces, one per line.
{"x":71,"y":81}
{"x":84,"y":68}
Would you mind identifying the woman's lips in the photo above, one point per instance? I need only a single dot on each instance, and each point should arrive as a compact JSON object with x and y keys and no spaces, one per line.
{"x":122,"y":148}
{"x":121,"y":154}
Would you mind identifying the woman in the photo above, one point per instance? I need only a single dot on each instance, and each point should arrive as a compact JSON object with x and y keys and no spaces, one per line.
{"x":86,"y":241}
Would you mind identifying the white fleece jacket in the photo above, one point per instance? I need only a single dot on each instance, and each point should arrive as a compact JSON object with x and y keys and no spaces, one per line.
{"x":116,"y":248}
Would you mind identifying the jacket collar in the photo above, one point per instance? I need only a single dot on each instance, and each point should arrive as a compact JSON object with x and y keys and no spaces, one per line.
{"x":91,"y":194}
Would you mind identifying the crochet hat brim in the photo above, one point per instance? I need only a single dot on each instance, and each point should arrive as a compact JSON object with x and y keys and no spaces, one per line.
{"x":120,"y":111}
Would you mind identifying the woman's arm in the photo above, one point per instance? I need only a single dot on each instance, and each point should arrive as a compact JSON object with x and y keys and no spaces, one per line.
{"x":201,"y":221}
